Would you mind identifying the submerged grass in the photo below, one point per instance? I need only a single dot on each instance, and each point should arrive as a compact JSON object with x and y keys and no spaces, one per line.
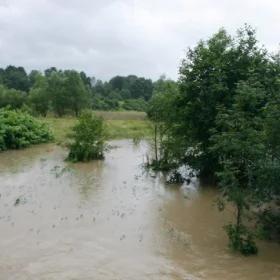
{"x":120,"y":125}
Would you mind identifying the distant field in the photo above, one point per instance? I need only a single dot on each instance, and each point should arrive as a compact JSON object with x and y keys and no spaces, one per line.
{"x":120,"y":125}
{"x":125,"y":115}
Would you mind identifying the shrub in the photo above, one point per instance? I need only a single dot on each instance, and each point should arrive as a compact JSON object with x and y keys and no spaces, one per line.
{"x":19,"y":129}
{"x":87,"y":138}
{"x":11,"y":97}
{"x":135,"y":104}
{"x":268,"y":224}
{"x":241,"y":240}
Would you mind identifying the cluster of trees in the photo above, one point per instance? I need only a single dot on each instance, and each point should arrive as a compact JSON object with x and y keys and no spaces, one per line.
{"x":69,"y":92}
{"x":127,"y":93}
{"x":54,"y":91}
{"x":222,"y":120}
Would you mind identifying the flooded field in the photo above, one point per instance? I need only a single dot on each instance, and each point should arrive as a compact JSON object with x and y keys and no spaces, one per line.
{"x":111,"y":220}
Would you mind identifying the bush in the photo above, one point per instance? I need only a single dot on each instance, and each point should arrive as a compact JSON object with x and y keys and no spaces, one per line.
{"x":19,"y":129}
{"x":268,"y":224}
{"x":135,"y":105}
{"x":87,"y":138}
{"x":241,"y":240}
{"x":11,"y":97}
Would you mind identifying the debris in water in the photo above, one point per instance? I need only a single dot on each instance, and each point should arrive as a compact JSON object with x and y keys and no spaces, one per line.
{"x":59,"y":171}
{"x":17,"y":202}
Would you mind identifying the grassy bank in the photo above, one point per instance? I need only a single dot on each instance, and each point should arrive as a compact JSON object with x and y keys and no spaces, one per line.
{"x":120,"y":125}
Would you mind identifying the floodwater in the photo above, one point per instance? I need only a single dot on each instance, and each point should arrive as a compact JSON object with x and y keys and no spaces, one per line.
{"x":111,"y":220}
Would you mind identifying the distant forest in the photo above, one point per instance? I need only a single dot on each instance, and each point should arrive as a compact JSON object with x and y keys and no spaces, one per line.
{"x":64,"y":92}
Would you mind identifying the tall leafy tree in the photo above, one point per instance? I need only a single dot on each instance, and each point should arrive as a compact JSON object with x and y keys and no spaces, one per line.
{"x":33,"y":77}
{"x":11,"y":97}
{"x":39,"y":97}
{"x":208,"y":79}
{"x":141,"y":88}
{"x":76,"y":91}
{"x":16,"y":78}
{"x":49,"y":71}
{"x":239,"y":139}
{"x":160,"y":111}
{"x":226,"y":125}
{"x":58,"y":95}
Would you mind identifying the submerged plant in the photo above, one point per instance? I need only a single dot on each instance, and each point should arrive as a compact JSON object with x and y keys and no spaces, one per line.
{"x":241,"y":239}
{"x":87,"y":138}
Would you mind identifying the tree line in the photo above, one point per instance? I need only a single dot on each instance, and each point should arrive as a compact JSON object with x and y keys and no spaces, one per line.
{"x":223,"y":120}
{"x":68,"y":91}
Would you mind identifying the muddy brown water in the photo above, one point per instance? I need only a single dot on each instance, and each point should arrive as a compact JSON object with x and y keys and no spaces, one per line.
{"x":111,"y":220}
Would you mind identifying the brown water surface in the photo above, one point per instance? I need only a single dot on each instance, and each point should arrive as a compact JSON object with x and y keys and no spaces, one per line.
{"x":111,"y":220}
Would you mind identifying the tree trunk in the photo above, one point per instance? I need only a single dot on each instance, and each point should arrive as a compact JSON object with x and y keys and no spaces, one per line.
{"x":238,"y":217}
{"x":156,"y":142}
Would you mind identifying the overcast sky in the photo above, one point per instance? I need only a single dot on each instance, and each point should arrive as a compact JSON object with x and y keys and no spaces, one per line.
{"x":109,"y":37}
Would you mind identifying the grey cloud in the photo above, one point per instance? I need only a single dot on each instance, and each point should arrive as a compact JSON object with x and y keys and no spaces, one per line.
{"x":110,"y":37}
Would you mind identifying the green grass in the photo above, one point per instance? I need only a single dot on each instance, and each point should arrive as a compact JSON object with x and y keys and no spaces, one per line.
{"x":120,"y":125}
{"x":135,"y":129}
{"x":121,"y":115}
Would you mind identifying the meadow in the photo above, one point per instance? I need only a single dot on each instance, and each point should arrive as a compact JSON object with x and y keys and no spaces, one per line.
{"x":120,"y":125}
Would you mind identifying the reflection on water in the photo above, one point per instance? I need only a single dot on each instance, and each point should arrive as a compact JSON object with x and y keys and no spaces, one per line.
{"x":111,"y":220}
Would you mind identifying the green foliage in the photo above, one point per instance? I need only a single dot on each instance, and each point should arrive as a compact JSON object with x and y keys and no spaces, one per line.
{"x":18,"y":130}
{"x":38,"y":97}
{"x":104,"y":104}
{"x":141,"y":88}
{"x":76,"y":92}
{"x":122,"y":93}
{"x":160,"y":111}
{"x":268,"y":224}
{"x":272,"y":126}
{"x":209,"y":77}
{"x":135,"y":105}
{"x":87,"y":138}
{"x":240,"y":239}
{"x":11,"y":97}
{"x":245,"y":138}
{"x":132,"y":87}
{"x":14,"y":78}
{"x":57,"y":93}
{"x":68,"y":92}
{"x":226,"y":124}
